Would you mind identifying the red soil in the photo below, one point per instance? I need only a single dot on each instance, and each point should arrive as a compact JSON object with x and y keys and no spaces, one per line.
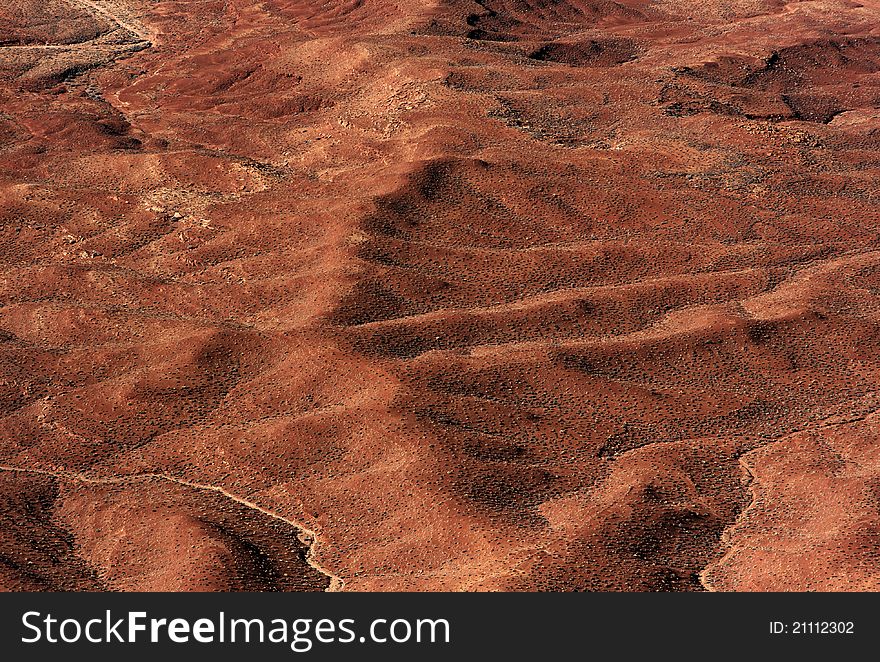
{"x":360,"y":295}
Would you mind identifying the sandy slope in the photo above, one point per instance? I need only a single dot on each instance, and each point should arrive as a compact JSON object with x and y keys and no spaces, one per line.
{"x":506,"y":295}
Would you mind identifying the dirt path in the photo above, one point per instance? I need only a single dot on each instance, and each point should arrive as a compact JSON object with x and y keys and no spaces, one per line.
{"x":142,"y":36}
{"x":308,"y":536}
{"x":727,"y":542}
{"x":135,"y":29}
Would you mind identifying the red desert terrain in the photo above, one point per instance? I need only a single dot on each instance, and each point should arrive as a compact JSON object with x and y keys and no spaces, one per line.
{"x":440,"y":295}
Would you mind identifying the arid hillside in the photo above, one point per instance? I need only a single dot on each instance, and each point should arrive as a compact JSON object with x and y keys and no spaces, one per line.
{"x":440,"y":295}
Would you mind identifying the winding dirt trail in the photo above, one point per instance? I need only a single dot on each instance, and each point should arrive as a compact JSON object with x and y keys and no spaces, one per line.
{"x":134,"y":28}
{"x":308,"y":536}
{"x":142,"y":37}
